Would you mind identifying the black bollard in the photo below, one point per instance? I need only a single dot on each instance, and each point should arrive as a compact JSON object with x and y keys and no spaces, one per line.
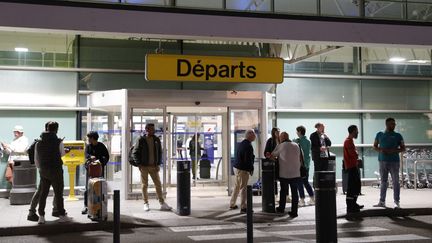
{"x":268,"y":186}
{"x":325,"y":206}
{"x":249,"y":218}
{"x":116,"y":216}
{"x":183,"y":188}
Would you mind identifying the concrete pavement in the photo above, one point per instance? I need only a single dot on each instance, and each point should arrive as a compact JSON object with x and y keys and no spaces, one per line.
{"x":209,"y":206}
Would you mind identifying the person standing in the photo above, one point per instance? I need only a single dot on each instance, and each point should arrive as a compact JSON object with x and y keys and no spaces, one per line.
{"x":243,"y":167}
{"x":350,"y":161}
{"x":389,"y":144}
{"x":15,"y":149}
{"x":289,"y":156}
{"x":147,"y":153}
{"x":270,"y":146}
{"x":94,"y":150}
{"x":305,"y":146}
{"x":48,"y":153}
{"x":319,"y":147}
{"x":195,"y":153}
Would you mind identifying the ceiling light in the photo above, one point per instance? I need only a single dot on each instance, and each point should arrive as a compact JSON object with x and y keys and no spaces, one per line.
{"x":419,"y":61}
{"x":397,"y":59}
{"x":21,"y":49}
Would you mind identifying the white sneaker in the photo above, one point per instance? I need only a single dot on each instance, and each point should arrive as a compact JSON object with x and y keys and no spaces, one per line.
{"x":311,"y":201}
{"x":41,"y":219}
{"x":64,"y":219}
{"x":165,"y":207}
{"x":146,"y":207}
{"x":396,"y":205}
{"x":288,"y":200}
{"x":301,"y":202}
{"x":380,"y":204}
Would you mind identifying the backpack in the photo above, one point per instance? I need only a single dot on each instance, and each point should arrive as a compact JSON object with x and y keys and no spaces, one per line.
{"x":131,"y":158}
{"x":31,"y":151}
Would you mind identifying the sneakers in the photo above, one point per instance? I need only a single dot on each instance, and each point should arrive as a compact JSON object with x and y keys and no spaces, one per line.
{"x":243,"y":210}
{"x":279,"y":210}
{"x":396,"y":205}
{"x":146,"y":207}
{"x":311,"y":201}
{"x":84,"y":211}
{"x":56,"y":214}
{"x":288,"y":199}
{"x":41,"y":219}
{"x":64,"y":219}
{"x":380,"y":204}
{"x":32,"y":217}
{"x":165,"y":207}
{"x":301,"y":202}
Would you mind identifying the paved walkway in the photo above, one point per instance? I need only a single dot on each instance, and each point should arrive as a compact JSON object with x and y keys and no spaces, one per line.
{"x":209,"y":206}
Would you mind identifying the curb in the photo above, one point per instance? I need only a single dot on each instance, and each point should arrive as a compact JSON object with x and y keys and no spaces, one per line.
{"x":390,"y":212}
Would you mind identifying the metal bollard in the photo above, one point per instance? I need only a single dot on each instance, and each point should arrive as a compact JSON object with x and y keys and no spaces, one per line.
{"x":249,"y":218}
{"x":268,"y":186}
{"x":116,"y":235}
{"x":183,"y":188}
{"x":325,"y":206}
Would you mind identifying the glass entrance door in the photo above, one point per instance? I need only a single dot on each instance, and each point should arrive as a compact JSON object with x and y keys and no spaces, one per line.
{"x":198,"y":138}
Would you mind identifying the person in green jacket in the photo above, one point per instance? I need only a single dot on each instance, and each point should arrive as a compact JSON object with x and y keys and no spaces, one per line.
{"x":305,"y":146}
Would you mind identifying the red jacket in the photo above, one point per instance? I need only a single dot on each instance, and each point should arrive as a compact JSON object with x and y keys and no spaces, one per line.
{"x":350,"y":154}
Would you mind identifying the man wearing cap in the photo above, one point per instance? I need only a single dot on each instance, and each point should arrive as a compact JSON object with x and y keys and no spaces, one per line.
{"x":17,"y":147}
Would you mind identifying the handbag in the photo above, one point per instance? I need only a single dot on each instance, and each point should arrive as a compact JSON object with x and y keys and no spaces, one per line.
{"x":303,"y":170}
{"x":9,"y":173}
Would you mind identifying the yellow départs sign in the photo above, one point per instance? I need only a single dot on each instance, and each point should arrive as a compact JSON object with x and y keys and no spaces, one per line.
{"x":162,"y":67}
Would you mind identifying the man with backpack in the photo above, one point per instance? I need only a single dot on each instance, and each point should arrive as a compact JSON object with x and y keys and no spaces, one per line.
{"x":94,"y":151}
{"x":147,"y":155}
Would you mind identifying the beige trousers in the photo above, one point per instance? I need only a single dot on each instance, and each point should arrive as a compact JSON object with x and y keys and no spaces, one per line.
{"x":154,"y":174}
{"x":242,"y":178}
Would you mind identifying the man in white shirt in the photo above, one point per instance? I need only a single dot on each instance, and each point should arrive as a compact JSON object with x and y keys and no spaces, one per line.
{"x":17,"y":147}
{"x":288,"y":154}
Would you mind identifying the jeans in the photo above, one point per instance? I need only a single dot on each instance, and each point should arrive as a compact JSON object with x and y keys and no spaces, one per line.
{"x":292,"y":182}
{"x":393,"y":168}
{"x":304,"y":181}
{"x":35,"y":200}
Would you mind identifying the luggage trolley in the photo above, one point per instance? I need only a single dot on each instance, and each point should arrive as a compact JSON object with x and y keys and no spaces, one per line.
{"x":422,"y":184}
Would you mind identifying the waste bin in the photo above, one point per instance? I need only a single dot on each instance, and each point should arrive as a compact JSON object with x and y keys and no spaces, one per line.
{"x":183,"y":187}
{"x":325,"y":206}
{"x":205,"y":167}
{"x":268,"y":178}
{"x":24,"y":182}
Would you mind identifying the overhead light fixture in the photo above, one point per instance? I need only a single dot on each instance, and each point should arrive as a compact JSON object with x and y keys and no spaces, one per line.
{"x":419,"y":61}
{"x":21,"y":49}
{"x":397,"y":59}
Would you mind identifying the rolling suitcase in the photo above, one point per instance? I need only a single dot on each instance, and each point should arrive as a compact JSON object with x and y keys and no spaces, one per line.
{"x":97,"y":199}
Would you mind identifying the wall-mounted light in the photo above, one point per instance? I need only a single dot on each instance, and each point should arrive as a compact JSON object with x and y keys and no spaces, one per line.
{"x":419,"y":61}
{"x":397,"y":59}
{"x":21,"y":49}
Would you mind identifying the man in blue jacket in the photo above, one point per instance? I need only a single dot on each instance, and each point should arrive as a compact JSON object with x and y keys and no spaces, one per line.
{"x":243,"y":167}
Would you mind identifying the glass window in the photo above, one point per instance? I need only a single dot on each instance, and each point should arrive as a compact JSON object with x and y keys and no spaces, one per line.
{"x":396,"y":94}
{"x":248,"y":5}
{"x":385,"y":9}
{"x":296,"y":6}
{"x":415,"y":128}
{"x":209,"y":4}
{"x":36,"y":49}
{"x":148,"y":2}
{"x":344,"y":8}
{"x":318,"y":94}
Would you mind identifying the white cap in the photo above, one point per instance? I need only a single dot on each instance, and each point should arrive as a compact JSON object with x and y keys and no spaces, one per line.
{"x":18,"y":128}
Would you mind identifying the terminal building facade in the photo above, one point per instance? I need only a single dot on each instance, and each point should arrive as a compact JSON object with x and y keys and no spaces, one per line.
{"x":83,"y":64}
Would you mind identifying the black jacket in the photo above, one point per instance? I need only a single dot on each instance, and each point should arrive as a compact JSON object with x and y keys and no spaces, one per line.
{"x":48,"y":151}
{"x":245,"y":156}
{"x":316,"y":145}
{"x":140,"y":151}
{"x":270,"y":146}
{"x":100,"y":152}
